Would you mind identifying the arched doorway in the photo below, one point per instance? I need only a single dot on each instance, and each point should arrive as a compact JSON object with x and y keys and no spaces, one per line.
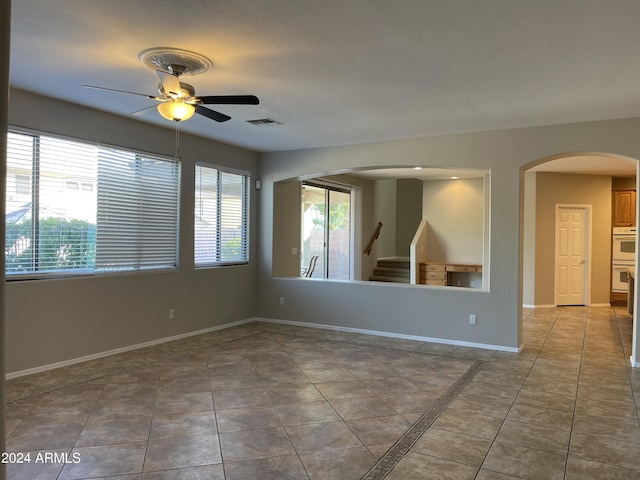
{"x":578,"y":181}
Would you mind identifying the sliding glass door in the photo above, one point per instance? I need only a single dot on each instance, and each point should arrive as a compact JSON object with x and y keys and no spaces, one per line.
{"x":326,"y":231}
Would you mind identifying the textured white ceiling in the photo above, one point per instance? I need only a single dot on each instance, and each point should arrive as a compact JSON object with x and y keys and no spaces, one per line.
{"x":338,"y":72}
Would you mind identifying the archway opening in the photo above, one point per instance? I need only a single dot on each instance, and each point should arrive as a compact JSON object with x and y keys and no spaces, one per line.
{"x":574,"y":182}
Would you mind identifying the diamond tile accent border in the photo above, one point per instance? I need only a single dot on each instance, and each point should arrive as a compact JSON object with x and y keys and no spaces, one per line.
{"x":390,"y":459}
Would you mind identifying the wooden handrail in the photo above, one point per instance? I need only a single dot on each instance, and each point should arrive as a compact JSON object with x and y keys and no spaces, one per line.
{"x":376,"y":234}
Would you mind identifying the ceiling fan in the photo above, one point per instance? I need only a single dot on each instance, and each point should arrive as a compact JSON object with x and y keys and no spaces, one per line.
{"x":177,"y":100}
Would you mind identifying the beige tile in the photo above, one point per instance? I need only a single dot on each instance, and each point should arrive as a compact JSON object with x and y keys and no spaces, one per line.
{"x":481,"y":404}
{"x":453,"y":446}
{"x":183,"y":424}
{"x":252,"y":377}
{"x":581,"y":469}
{"x":247,"y":418}
{"x":33,"y":470}
{"x":343,"y":389}
{"x":469,"y":422}
{"x":362,"y":407}
{"x":254,"y":444}
{"x":278,"y":468}
{"x":334,"y":374}
{"x":292,"y":393}
{"x":559,"y":386}
{"x":98,"y":431}
{"x":43,"y":437}
{"x":205,"y":472}
{"x":319,"y":437}
{"x":105,"y":461}
{"x":410,"y":403}
{"x":534,"y":436}
{"x":180,"y":452}
{"x":343,"y":464}
{"x":540,"y":416}
{"x":620,"y":428}
{"x":605,"y":450}
{"x":525,"y":462}
{"x":187,"y":402}
{"x":305,"y":413}
{"x":246,"y":397}
{"x":415,"y":465}
{"x":489,"y":475}
{"x":379,"y":430}
{"x":536,"y":398}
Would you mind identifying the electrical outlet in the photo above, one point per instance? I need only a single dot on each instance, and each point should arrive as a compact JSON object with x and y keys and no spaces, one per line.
{"x":281,"y":300}
{"x":473,"y":284}
{"x":171,"y":313}
{"x":472,"y":319}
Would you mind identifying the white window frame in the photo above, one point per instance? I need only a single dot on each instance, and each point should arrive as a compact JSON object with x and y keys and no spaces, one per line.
{"x":169,"y":214}
{"x":200,"y":213}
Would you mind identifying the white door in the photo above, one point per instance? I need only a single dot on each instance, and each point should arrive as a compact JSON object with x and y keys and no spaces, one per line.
{"x":571,"y":251}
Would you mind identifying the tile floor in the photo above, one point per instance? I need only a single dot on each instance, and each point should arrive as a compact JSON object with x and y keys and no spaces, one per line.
{"x":268,"y":401}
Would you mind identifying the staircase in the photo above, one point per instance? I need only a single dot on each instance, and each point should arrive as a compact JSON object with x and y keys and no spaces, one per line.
{"x":393,"y":269}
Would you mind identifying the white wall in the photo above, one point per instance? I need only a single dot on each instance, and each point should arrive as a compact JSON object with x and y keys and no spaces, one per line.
{"x":418,"y":310}
{"x":455,"y":212}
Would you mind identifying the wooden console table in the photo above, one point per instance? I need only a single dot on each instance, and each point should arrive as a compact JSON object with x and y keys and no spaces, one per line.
{"x":442,"y":273}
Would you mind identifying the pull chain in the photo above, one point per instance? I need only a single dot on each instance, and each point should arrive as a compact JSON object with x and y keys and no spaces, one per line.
{"x":177,"y":140}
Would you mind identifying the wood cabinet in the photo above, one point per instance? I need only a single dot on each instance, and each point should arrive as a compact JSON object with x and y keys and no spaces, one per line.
{"x":624,"y":208}
{"x":433,"y":274}
{"x":441,"y":273}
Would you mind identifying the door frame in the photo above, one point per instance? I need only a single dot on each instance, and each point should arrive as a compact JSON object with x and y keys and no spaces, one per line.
{"x":329,"y":186}
{"x":588,"y":208}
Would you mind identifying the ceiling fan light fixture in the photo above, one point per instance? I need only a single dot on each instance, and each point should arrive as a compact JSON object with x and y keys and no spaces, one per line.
{"x":176,"y":110}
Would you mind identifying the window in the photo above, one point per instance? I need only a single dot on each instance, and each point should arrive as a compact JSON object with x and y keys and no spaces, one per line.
{"x":221,"y":217}
{"x":124,"y":217}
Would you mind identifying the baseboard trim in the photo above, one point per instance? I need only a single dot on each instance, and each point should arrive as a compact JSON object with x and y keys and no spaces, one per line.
{"x":595,"y":305}
{"x":634,"y":364}
{"x":460,"y":343}
{"x":95,"y":356}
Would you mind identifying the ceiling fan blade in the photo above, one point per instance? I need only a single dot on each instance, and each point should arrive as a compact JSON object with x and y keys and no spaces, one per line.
{"x":212,"y":114}
{"x":138,"y":112}
{"x":170,"y":84}
{"x":229,"y":100}
{"x":120,"y":91}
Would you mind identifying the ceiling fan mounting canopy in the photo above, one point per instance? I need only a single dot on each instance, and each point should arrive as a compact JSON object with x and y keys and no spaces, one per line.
{"x":175,"y":61}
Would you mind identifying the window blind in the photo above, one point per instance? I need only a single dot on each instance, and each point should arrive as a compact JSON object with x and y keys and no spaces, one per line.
{"x":137,"y":216}
{"x":50,"y":226}
{"x":221,"y":217}
{"x":76,"y":207}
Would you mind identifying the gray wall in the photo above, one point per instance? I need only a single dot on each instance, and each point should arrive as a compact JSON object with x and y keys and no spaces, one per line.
{"x":384,"y":210}
{"x":50,"y":321}
{"x":418,"y":310}
{"x":408,"y":213}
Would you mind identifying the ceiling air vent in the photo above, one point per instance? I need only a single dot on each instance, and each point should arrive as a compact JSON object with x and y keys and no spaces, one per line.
{"x":264,"y":122}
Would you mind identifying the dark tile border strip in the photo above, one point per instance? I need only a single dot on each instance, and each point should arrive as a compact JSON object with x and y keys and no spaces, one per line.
{"x":399,"y":449}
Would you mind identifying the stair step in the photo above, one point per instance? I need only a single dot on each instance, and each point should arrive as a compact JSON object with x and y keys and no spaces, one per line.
{"x":391,"y":272}
{"x":394,"y":263}
{"x":375,"y":278}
